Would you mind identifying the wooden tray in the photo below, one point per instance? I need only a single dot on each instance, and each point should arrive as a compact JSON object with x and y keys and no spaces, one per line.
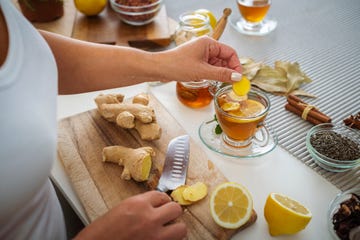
{"x":109,"y":29}
{"x":99,"y":186}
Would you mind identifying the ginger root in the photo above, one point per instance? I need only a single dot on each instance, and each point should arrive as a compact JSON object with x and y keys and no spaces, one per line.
{"x":186,"y":195}
{"x":135,"y":115}
{"x":136,"y":161}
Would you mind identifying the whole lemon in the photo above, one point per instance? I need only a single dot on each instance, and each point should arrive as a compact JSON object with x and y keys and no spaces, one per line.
{"x":90,"y":7}
{"x":211,"y":16}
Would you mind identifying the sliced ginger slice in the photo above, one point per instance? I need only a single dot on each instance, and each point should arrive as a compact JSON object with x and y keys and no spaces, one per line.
{"x":242,"y":87}
{"x":186,"y":195}
{"x":195,"y":192}
{"x":177,"y":195}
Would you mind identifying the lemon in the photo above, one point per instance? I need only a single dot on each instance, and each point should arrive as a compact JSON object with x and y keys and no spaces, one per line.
{"x":241,"y":87}
{"x":231,"y":205}
{"x":285,"y":215}
{"x":211,"y":16}
{"x":90,"y":7}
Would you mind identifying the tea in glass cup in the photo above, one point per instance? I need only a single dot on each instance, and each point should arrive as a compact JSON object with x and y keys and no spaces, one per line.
{"x":241,"y":117}
{"x":253,"y":14}
{"x":194,"y":94}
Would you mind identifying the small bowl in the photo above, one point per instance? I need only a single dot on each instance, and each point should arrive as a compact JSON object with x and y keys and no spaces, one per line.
{"x":329,"y":163}
{"x":137,"y":12}
{"x":334,"y":207}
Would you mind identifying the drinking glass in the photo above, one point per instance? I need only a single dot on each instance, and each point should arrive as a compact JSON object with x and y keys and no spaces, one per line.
{"x":253,"y":21}
{"x":244,"y":132}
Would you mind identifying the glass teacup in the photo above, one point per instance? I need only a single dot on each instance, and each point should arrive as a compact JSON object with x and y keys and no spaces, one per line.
{"x":253,"y":13}
{"x":242,"y":119}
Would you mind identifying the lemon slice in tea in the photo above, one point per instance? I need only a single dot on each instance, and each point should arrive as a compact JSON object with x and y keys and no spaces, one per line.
{"x":241,"y":87}
{"x":285,"y":215}
{"x":231,"y":205}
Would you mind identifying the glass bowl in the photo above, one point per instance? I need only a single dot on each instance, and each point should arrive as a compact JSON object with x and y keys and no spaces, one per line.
{"x":136,"y":12}
{"x":326,"y":162}
{"x":334,"y":207}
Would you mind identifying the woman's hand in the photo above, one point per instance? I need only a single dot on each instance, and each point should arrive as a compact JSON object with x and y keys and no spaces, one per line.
{"x":202,"y":58}
{"x":145,"y":216}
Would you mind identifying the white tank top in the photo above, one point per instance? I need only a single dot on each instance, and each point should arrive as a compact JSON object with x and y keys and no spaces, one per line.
{"x":29,"y":208}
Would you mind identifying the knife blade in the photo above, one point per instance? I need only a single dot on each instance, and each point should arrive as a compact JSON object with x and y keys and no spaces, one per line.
{"x":176,"y":164}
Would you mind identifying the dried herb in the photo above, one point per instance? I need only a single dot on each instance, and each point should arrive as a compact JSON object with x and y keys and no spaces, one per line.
{"x":334,"y":145}
{"x":347,"y":217}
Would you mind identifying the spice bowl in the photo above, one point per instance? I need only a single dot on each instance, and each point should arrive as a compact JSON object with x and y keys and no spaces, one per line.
{"x":136,"y":12}
{"x":342,"y":216}
{"x":335,"y":148}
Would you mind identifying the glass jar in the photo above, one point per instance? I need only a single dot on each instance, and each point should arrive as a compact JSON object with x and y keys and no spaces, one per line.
{"x":193,"y":25}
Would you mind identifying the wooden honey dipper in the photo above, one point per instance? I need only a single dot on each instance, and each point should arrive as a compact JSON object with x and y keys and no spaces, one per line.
{"x":221,"y":24}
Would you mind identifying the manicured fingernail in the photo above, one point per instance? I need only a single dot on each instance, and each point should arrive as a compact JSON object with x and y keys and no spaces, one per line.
{"x":235,"y":76}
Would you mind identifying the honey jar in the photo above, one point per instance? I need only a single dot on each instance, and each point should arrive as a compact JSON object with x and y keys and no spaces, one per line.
{"x":193,"y":25}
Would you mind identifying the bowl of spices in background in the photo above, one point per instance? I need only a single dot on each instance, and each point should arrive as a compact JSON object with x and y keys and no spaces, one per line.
{"x":136,"y":12}
{"x":335,"y":148}
{"x":344,"y":215}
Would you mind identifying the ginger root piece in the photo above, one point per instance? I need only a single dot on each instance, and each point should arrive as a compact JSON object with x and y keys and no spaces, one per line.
{"x":148,"y":131}
{"x":125,"y":120}
{"x":186,"y":195}
{"x":141,"y":98}
{"x":108,"y":98}
{"x":136,"y":161}
{"x":137,"y":115}
{"x":143,"y":113}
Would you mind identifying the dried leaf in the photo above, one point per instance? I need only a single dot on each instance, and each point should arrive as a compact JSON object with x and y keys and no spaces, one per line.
{"x":250,"y":67}
{"x":271,"y":80}
{"x":294,"y":75}
{"x":285,"y":78}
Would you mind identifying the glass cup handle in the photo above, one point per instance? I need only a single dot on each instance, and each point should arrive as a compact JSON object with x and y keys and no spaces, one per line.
{"x":213,"y":86}
{"x":264,"y":140}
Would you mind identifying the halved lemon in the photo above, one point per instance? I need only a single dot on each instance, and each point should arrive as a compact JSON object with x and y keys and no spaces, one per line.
{"x":241,"y":87}
{"x":231,"y":205}
{"x":285,"y":215}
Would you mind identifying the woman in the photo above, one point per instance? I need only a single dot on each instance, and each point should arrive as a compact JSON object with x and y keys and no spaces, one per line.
{"x":34,"y":68}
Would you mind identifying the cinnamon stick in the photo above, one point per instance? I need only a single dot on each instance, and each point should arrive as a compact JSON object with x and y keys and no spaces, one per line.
{"x":297,"y":106}
{"x":298,"y":112}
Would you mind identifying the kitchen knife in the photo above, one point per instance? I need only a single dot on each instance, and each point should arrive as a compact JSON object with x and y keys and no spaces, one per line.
{"x":176,"y":164}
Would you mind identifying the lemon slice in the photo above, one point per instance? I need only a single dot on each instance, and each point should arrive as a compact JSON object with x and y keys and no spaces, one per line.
{"x":285,"y":215}
{"x":211,"y":16}
{"x":242,"y":87}
{"x":231,"y":205}
{"x":230,"y":106}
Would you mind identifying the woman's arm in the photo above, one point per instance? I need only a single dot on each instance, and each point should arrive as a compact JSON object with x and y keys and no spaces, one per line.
{"x":85,"y":66}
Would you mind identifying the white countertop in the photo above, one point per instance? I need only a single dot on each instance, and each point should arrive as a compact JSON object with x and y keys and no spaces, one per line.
{"x":322,"y":36}
{"x":276,"y":171}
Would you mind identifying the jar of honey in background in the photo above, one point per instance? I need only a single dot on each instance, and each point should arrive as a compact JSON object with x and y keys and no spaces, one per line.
{"x":193,"y":25}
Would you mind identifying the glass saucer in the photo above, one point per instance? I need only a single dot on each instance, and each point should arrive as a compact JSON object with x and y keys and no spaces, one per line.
{"x":263,"y":28}
{"x":216,"y":143}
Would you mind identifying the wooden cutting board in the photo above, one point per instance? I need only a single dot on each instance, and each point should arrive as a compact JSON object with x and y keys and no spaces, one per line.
{"x":108,"y":28}
{"x":98,"y":185}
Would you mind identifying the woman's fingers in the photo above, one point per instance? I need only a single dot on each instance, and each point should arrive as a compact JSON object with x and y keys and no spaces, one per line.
{"x":157,"y":198}
{"x":168,"y":212}
{"x":175,"y":231}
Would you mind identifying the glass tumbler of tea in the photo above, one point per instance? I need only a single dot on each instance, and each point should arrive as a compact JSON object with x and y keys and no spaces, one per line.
{"x":253,"y":13}
{"x":193,"y":25}
{"x":242,"y":120}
